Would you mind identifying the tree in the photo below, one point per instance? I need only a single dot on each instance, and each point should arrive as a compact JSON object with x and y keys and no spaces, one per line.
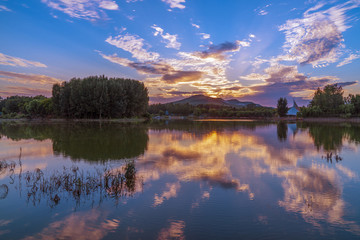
{"x":282,"y":107}
{"x":355,"y":101}
{"x":39,"y":107}
{"x":329,"y":100}
{"x":100,"y":97}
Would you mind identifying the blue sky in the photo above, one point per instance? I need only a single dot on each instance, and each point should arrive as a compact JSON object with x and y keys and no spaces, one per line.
{"x":249,"y":50}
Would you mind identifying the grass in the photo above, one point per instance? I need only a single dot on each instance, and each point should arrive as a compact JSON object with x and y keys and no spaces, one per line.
{"x":72,"y":183}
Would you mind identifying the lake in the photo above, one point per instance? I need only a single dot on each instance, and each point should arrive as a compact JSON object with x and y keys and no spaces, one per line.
{"x":179,"y":180}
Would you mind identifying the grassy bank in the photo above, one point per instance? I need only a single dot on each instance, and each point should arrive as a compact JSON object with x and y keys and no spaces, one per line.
{"x":62,"y":120}
{"x":139,"y":120}
{"x":269,"y":119}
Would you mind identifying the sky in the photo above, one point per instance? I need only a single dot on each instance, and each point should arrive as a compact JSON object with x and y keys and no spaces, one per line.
{"x":257,"y":50}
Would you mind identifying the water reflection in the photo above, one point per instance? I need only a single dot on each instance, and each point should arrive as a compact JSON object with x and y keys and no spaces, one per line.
{"x":79,"y":225}
{"x":314,"y":190}
{"x":174,"y":231}
{"x":282,"y":130}
{"x":91,"y":141}
{"x":239,"y":162}
{"x":330,"y":137}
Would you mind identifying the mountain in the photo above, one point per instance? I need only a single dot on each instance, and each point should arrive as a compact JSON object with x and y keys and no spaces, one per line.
{"x":235,"y":102}
{"x":203,"y":100}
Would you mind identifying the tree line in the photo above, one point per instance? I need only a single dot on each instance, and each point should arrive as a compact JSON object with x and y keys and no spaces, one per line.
{"x":208,"y":110}
{"x":327,"y":102}
{"x":20,"y":106}
{"x":90,"y":97}
{"x":330,"y":102}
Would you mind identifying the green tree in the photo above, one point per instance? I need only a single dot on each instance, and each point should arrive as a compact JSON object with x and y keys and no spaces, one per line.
{"x":100,"y":97}
{"x":282,"y":107}
{"x":329,"y":100}
{"x":355,"y":101}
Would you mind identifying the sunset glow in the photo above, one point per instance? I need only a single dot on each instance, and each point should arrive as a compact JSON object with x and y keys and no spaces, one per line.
{"x":250,"y":50}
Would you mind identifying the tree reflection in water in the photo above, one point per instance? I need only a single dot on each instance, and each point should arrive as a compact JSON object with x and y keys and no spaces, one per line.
{"x":330,"y":137}
{"x":85,"y":141}
{"x":282,"y":130}
{"x":279,"y":165}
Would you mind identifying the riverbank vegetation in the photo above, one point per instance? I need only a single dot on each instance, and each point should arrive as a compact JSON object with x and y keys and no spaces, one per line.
{"x":99,"y":97}
{"x":330,"y":102}
{"x":209,"y":110}
{"x":282,"y":107}
{"x":94,"y":97}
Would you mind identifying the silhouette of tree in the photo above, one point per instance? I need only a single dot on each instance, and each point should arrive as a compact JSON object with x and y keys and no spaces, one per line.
{"x":282,"y":107}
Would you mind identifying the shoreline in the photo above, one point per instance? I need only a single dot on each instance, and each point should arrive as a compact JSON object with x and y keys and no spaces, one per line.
{"x":141,"y":120}
{"x":332,"y":120}
{"x":63,"y":120}
{"x":273,"y":119}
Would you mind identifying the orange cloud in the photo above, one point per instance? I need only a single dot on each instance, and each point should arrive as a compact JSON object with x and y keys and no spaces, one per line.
{"x":25,"y":84}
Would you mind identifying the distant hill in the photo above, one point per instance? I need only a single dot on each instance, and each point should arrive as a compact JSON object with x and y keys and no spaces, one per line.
{"x":204,"y":100}
{"x":235,"y":102}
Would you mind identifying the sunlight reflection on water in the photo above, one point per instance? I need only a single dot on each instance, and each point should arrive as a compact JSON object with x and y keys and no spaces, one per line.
{"x":192,"y":179}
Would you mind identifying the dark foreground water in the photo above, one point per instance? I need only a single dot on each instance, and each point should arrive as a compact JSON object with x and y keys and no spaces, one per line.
{"x":179,"y":180}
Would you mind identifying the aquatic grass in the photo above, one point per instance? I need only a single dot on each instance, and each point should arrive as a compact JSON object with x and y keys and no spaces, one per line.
{"x":329,"y":157}
{"x":75,"y":184}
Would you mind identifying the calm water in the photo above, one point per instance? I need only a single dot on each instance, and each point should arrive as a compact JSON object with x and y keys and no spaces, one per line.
{"x":179,"y":180}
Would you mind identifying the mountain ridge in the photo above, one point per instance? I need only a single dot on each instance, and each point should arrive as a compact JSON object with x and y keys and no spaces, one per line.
{"x":205,"y":100}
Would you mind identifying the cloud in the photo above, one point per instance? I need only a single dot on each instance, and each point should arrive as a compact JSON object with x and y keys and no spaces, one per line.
{"x":28,"y":78}
{"x":182,"y":76}
{"x":286,"y":81}
{"x":205,"y":72}
{"x":84,"y":9}
{"x":170,"y":75}
{"x":317,"y":37}
{"x":189,"y":66}
{"x":26,"y":84}
{"x":134,"y":45}
{"x":7,"y":91}
{"x":149,"y":67}
{"x":201,"y":71}
{"x":217,"y":51}
{"x":18,"y":62}
{"x":109,"y":5}
{"x":349,"y":59}
{"x":4,"y":8}
{"x":195,"y":25}
{"x":170,"y":39}
{"x":255,"y":76}
{"x":282,"y":73}
{"x":175,"y":3}
{"x":262,"y":10}
{"x":152,"y":67}
{"x":183,"y":93}
{"x":205,"y":35}
{"x":115,"y":59}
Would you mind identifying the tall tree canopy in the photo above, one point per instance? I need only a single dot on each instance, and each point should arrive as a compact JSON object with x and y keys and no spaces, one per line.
{"x":329,"y":100}
{"x":282,"y":107}
{"x":100,"y":97}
